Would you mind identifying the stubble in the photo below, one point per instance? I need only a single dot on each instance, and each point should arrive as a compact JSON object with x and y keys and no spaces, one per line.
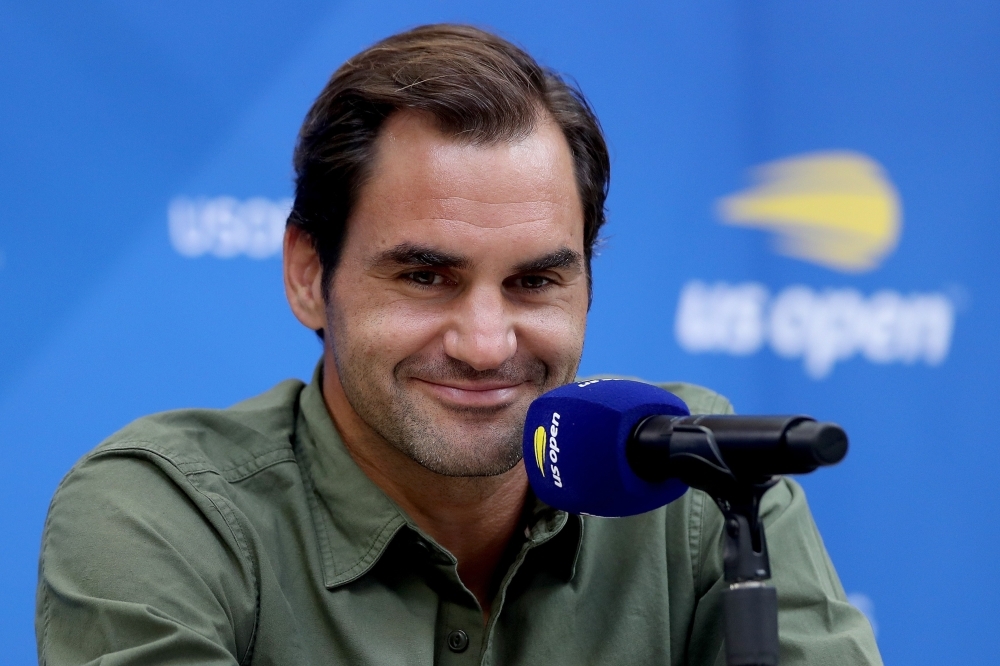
{"x":448,"y":440}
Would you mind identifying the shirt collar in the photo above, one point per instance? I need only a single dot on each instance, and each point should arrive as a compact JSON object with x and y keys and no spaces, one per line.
{"x":557,"y":533}
{"x":356,"y":521}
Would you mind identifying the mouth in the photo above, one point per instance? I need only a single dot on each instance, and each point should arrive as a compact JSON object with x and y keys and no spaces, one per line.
{"x":486,"y":394}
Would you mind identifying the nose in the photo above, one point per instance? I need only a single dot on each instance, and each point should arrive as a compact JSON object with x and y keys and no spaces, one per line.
{"x":481,"y":330}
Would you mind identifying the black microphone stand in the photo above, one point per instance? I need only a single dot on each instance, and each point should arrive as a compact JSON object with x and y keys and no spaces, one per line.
{"x":750,"y":606}
{"x":686,"y":449}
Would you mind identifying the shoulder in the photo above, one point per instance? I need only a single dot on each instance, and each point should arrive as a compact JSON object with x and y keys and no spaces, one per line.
{"x":171,"y":465}
{"x":232,"y":442}
{"x":146,"y":529}
{"x":699,"y":399}
{"x":169,"y":479}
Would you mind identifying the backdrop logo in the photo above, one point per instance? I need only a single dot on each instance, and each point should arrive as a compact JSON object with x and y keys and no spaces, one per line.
{"x":837,"y":209}
{"x":821,"y":328}
{"x":227,"y":227}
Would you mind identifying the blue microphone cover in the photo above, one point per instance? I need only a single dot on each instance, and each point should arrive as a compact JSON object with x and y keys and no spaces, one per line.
{"x":574,"y":447}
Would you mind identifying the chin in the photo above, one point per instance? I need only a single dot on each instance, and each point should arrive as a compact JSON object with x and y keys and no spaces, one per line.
{"x":463,"y":449}
{"x":471,"y":465}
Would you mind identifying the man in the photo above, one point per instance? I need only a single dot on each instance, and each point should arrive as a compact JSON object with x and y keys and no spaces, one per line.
{"x":448,"y":196}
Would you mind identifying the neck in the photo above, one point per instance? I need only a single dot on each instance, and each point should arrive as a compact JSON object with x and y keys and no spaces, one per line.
{"x":474,"y":518}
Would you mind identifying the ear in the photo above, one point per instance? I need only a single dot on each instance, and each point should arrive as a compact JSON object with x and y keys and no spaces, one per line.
{"x":303,"y":278}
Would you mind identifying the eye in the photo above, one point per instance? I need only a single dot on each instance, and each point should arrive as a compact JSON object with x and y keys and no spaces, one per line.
{"x":424,"y":278}
{"x":533,"y":282}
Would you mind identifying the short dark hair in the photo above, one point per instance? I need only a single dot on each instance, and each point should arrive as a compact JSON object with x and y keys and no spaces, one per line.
{"x":477,"y":86}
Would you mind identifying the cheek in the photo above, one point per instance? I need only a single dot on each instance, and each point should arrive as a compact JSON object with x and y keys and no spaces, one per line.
{"x":382,"y":333}
{"x":555,"y":336}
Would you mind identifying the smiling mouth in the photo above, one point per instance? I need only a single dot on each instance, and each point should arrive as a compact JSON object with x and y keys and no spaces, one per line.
{"x":473,"y":394}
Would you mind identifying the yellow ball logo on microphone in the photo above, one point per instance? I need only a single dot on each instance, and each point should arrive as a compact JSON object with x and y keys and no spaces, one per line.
{"x":540,"y":439}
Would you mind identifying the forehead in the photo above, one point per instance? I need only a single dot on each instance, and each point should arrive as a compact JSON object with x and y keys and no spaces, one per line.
{"x":428,"y":185}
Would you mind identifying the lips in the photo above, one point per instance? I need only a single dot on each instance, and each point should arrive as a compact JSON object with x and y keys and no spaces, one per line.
{"x":473,"y":394}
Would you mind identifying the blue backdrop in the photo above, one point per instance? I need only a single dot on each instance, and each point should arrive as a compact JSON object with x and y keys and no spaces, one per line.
{"x":803,"y":216}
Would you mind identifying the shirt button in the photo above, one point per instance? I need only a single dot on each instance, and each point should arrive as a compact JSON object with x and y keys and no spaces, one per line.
{"x":458,"y":640}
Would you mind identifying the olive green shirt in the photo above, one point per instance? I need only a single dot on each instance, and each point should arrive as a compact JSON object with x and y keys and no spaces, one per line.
{"x":250,"y":536}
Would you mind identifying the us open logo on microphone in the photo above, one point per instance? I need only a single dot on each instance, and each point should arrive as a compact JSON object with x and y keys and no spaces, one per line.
{"x":543,"y":437}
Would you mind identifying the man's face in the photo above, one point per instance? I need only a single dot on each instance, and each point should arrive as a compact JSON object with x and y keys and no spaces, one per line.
{"x":461,"y":293}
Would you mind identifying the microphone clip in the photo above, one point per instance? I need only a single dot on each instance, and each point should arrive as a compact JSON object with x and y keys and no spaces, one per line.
{"x":661,"y":447}
{"x":745,"y":555}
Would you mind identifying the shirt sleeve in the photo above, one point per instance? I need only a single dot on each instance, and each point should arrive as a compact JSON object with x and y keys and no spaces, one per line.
{"x":816,"y":624}
{"x":139,"y":567}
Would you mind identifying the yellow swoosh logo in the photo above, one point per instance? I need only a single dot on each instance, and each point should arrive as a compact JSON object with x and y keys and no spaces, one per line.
{"x":837,"y":209}
{"x":540,"y":439}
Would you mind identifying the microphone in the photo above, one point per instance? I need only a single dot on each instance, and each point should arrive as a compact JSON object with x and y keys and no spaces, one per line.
{"x":615,"y":447}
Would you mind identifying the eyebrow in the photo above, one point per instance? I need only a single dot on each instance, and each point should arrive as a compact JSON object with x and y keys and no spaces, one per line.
{"x":561,"y":258}
{"x":409,"y":254}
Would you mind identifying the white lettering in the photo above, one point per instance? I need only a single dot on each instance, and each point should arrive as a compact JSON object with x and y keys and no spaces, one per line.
{"x":556,"y":479}
{"x":721,"y":317}
{"x":821,"y":328}
{"x":554,"y":450}
{"x":226,"y":227}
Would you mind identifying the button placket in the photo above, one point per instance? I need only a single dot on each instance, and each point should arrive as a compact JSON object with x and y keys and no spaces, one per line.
{"x":460,"y":632}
